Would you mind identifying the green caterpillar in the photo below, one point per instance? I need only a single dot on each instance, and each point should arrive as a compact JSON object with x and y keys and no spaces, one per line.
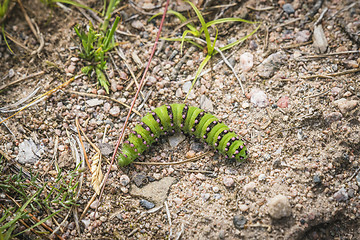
{"x":180,"y":117}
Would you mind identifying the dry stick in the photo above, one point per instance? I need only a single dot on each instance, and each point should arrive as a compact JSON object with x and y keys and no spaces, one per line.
{"x":17,"y":42}
{"x":28,"y":20}
{"x":286,"y":23}
{"x":296,"y":45}
{"x":82,"y":144}
{"x":21,"y":79}
{"x":173,"y":163}
{"x":122,"y":55}
{"x":134,"y":100}
{"x":333,"y":74}
{"x":331,"y":54}
{"x":45,"y":94}
{"x":104,"y":97}
{"x":169,"y":218}
{"x":35,"y":31}
{"x":260,"y":9}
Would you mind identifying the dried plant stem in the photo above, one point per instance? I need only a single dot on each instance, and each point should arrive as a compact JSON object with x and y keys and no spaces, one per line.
{"x":134,"y":100}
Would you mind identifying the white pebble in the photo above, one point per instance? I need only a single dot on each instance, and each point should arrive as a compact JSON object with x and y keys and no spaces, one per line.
{"x":259,"y":98}
{"x":279,"y":207}
{"x":262,"y":177}
{"x":246,"y":61}
{"x":228,"y":181}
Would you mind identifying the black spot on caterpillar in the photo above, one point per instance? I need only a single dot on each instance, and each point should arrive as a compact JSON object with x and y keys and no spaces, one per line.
{"x":180,"y":117}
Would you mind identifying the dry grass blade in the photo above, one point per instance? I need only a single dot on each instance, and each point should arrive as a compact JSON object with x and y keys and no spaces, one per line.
{"x":41,"y":96}
{"x":97,"y":174}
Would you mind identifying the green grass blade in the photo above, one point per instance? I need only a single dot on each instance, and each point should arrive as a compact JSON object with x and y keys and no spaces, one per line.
{"x":38,"y":223}
{"x":181,"y":17}
{"x":76,"y":4}
{"x":202,"y":21}
{"x":187,"y":40}
{"x":183,"y":38}
{"x":109,"y":38}
{"x":216,"y":35}
{"x":6,"y":42}
{"x":224,"y":20}
{"x":239,"y":41}
{"x":201,"y":67}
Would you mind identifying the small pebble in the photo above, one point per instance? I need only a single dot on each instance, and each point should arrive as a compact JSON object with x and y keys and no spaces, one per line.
{"x":262,"y":177}
{"x":271,"y":64}
{"x":140,"y":179}
{"x":283,"y":102}
{"x":71,"y":68}
{"x":205,"y":196}
{"x":124,"y":180}
{"x":259,"y":98}
{"x":115,"y":111}
{"x":243,"y":207}
{"x":302,"y":36}
{"x":95,"y":204}
{"x":249,"y":187}
{"x":345,"y":105}
{"x":246,"y":61}
{"x":279,"y":207}
{"x":228,"y":181}
{"x":190,"y":154}
{"x":146,"y":204}
{"x":288,"y":8}
{"x":107,"y":107}
{"x":245,"y":105}
{"x":176,"y":139}
{"x":137,"y":24}
{"x":216,"y":189}
{"x":206,"y":104}
{"x":341,"y":195}
{"x":332,"y":117}
{"x":200,"y":176}
{"x":317,"y":179}
{"x":239,"y":221}
{"x":94,"y":102}
{"x":178,"y":201}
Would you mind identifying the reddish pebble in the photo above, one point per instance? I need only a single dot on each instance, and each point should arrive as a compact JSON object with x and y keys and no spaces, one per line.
{"x":283,"y":102}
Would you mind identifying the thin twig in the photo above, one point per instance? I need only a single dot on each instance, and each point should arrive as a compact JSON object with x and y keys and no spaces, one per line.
{"x":134,"y":100}
{"x":321,"y":16}
{"x":286,"y":23}
{"x":169,"y":218}
{"x":318,"y":94}
{"x":122,"y":56}
{"x":81,"y":142}
{"x":41,"y":96}
{"x":260,"y":9}
{"x":180,"y":233}
{"x":21,"y":79}
{"x":330,"y":75}
{"x":331,"y":54}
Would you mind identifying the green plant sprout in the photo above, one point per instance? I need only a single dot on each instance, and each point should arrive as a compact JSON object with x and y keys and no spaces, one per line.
{"x":95,"y":44}
{"x":4,"y":4}
{"x":210,"y":45}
